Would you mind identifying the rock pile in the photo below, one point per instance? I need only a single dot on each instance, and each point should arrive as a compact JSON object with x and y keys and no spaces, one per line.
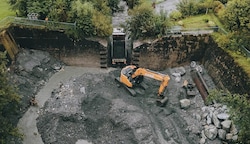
{"x":217,"y":124}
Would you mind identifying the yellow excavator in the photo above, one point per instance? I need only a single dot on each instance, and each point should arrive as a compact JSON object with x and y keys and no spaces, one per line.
{"x":132,"y":76}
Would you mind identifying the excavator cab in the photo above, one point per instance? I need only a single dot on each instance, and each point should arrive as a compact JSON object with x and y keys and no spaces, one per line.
{"x":132,"y":76}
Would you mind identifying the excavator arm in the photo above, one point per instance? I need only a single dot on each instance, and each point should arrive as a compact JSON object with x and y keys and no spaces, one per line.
{"x":154,"y":75}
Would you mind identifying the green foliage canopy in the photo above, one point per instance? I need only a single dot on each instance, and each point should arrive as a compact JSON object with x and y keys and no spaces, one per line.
{"x":9,"y":101}
{"x":145,"y":23}
{"x":236,"y":15}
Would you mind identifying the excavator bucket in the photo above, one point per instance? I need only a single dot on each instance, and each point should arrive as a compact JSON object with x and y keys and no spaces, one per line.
{"x":161,"y":102}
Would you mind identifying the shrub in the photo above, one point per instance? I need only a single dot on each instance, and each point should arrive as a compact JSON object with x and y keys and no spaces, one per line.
{"x":9,"y":101}
{"x":175,"y":15}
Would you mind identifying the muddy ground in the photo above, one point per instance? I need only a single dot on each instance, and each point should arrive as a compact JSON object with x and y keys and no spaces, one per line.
{"x":92,"y":107}
{"x":85,"y":105}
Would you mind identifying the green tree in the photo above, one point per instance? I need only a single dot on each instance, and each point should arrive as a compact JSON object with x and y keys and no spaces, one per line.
{"x":239,"y":111}
{"x":141,"y":22}
{"x":82,"y":13}
{"x":218,"y":7}
{"x":236,"y":18}
{"x":9,"y":101}
{"x":188,"y":7}
{"x":145,"y":23}
{"x":102,"y":6}
{"x":208,"y":4}
{"x":59,"y":10}
{"x":113,"y":5}
{"x":39,"y":7}
{"x":91,"y":19}
{"x":103,"y":28}
{"x":132,"y":3}
{"x":236,"y":15}
{"x":20,"y":6}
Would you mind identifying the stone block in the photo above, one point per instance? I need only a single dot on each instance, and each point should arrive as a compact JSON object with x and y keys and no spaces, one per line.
{"x":222,"y":134}
{"x":211,"y":132}
{"x":216,"y":121}
{"x":226,"y":125}
{"x":229,"y":136}
{"x":185,"y":103}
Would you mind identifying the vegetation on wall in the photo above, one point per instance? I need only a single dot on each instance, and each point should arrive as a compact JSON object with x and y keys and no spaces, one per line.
{"x":239,"y":106}
{"x":9,"y":101}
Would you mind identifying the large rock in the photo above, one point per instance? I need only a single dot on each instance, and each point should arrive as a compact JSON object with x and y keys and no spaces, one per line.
{"x":211,"y":132}
{"x":233,"y":129}
{"x":202,"y":141}
{"x":185,"y":103}
{"x":209,"y":120}
{"x":226,"y":125}
{"x":223,"y":116}
{"x":235,"y":138}
{"x":229,"y":136}
{"x":216,"y":121}
{"x":222,"y":134}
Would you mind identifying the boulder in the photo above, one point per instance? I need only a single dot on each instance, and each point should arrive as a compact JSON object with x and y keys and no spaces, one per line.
{"x":185,"y":103}
{"x":226,"y":125}
{"x":82,"y":90}
{"x":223,"y":116}
{"x":229,"y":136}
{"x":211,"y":132}
{"x":209,"y":120}
{"x":216,"y":121}
{"x":177,"y":76}
{"x":235,"y":138}
{"x":233,"y":129}
{"x":202,"y":141}
{"x":222,"y":134}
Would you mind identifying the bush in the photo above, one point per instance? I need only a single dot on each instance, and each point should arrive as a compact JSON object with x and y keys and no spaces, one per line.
{"x":175,"y":15}
{"x":188,"y":7}
{"x":218,"y":6}
{"x":144,"y":23}
{"x":9,"y":101}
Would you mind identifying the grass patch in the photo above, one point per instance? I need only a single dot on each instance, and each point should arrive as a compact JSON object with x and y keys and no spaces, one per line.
{"x":243,"y":62}
{"x":5,"y":9}
{"x":200,"y":21}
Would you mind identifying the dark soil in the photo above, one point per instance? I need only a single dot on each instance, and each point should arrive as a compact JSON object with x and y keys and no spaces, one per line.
{"x":92,"y":107}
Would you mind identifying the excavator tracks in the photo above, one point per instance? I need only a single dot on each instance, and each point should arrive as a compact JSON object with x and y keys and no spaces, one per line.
{"x":103,"y":58}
